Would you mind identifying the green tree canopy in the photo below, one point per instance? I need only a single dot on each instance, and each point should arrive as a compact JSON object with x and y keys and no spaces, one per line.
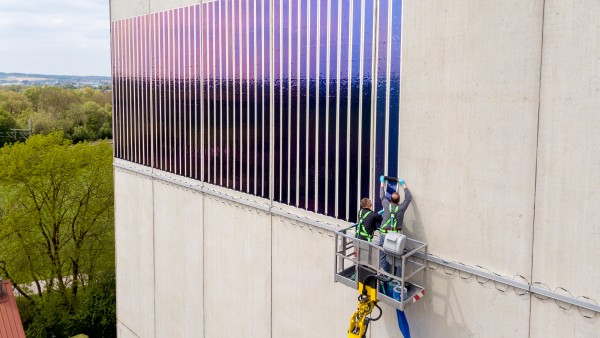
{"x":56,"y":215}
{"x":81,"y":114}
{"x":7,"y":121}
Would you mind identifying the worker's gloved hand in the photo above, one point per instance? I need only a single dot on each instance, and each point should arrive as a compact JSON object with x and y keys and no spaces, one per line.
{"x":402,"y":182}
{"x":382,"y":179}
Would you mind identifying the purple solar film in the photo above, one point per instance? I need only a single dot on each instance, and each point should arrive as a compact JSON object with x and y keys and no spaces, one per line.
{"x":194,"y":90}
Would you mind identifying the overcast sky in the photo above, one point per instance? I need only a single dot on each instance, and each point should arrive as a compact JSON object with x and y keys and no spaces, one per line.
{"x":59,"y":37}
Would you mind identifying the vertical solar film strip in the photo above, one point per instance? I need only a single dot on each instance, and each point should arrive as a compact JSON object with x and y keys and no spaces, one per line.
{"x":387,"y":97}
{"x":193,"y":94}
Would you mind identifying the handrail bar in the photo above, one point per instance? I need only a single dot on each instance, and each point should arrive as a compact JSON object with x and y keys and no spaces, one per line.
{"x":411,"y":253}
{"x":414,"y":272}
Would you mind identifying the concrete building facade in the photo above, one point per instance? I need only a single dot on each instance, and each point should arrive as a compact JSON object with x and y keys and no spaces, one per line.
{"x":218,"y":234}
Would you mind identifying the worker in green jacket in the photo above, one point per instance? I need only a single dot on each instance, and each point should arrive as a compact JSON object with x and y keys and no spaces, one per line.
{"x":367,"y":220}
{"x":393,"y":215}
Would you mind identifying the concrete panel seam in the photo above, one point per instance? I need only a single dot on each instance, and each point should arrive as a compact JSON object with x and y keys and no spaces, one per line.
{"x":537,"y":144}
{"x":127,"y":327}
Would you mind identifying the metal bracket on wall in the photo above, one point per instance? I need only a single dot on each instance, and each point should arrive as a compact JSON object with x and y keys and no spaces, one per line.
{"x":476,"y":272}
{"x":527,"y":287}
{"x":565,"y":299}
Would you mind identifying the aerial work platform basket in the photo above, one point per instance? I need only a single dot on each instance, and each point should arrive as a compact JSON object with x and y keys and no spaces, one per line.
{"x":353,"y":254}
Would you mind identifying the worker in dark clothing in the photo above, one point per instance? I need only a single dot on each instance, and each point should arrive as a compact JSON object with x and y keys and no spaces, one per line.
{"x":367,"y":220}
{"x":393,"y":215}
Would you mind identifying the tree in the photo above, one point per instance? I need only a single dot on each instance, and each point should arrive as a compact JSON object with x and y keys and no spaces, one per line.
{"x":91,"y":122}
{"x":33,"y":95}
{"x":56,"y":100}
{"x":95,"y":314}
{"x":7,"y":121}
{"x":14,"y":102}
{"x":81,"y":114}
{"x":56,"y":216}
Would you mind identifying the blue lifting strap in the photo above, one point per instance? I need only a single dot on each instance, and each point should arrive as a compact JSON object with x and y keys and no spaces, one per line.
{"x":403,"y":323}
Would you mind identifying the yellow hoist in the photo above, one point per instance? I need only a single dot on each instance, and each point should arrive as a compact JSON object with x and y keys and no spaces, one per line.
{"x":368,"y":282}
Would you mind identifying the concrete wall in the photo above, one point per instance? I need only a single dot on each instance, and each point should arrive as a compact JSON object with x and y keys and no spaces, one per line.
{"x":223,"y":269}
{"x":237,"y":279}
{"x":306,"y":302}
{"x":470,"y":86}
{"x":499,"y":145}
{"x":567,"y":236}
{"x":123,"y":9}
{"x":469,"y":115}
{"x":179,"y":260}
{"x":134,"y":236}
{"x":215,"y":268}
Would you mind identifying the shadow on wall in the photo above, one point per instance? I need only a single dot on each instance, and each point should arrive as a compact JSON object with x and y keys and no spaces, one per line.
{"x":439,"y":313}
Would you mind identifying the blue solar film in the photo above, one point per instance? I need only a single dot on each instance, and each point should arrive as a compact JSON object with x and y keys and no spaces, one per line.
{"x":228,"y":90}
